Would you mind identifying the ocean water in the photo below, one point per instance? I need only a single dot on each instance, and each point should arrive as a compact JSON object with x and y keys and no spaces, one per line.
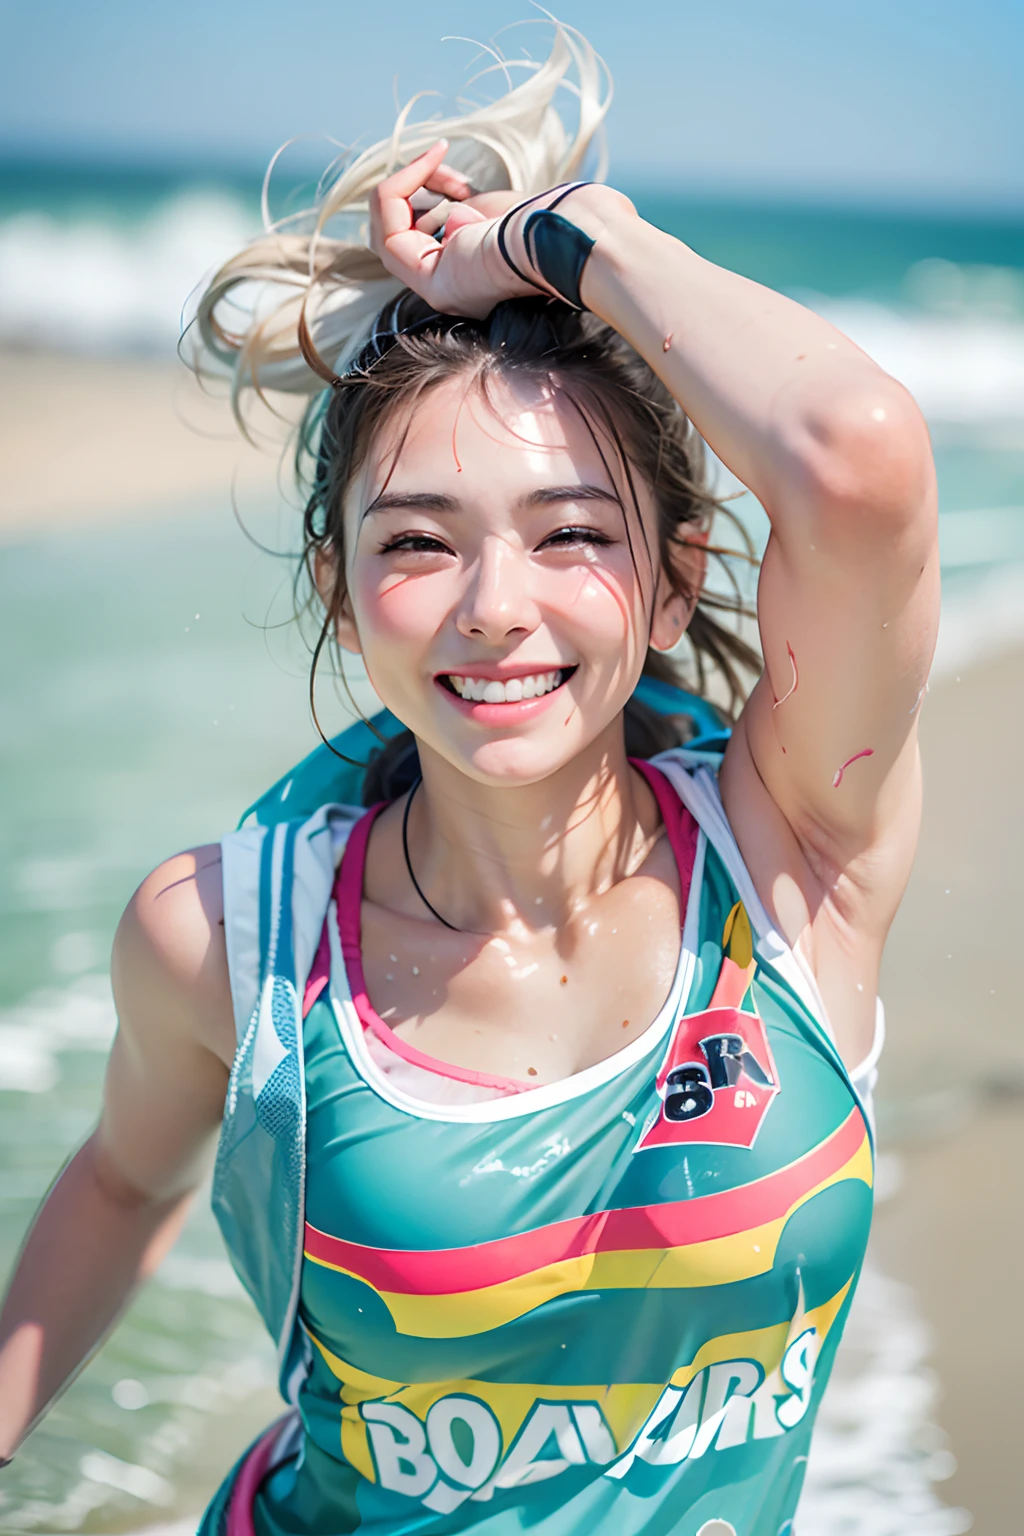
{"x":152,"y":696}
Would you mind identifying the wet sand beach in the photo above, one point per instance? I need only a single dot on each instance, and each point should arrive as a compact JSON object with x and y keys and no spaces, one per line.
{"x":84,"y":442}
{"x":952,"y":1083}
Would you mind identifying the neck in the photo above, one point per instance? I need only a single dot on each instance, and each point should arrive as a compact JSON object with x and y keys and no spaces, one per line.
{"x":492,"y":859}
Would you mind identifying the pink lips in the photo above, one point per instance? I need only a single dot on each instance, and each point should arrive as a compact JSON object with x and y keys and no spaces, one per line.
{"x":506,"y":713}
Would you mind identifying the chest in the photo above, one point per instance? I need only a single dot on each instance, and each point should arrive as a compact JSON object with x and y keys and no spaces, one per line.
{"x":437,"y":1241}
{"x":536,"y":1002}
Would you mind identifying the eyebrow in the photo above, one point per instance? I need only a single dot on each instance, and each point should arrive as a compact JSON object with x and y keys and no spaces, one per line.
{"x":434,"y":501}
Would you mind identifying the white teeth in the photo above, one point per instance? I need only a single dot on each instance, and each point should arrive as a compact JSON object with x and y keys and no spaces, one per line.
{"x":491,"y":691}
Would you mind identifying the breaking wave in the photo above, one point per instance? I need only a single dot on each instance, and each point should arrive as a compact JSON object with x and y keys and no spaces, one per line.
{"x":963,"y":369}
{"x":107,"y":286}
{"x":96,"y":286}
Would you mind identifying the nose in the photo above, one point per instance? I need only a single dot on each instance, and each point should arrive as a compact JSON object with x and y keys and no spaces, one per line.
{"x":497,"y":603}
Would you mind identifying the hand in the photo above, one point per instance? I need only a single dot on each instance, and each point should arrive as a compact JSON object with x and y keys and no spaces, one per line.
{"x":463,"y":273}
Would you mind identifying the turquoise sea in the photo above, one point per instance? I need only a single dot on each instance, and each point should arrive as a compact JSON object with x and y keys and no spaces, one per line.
{"x":142,"y":667}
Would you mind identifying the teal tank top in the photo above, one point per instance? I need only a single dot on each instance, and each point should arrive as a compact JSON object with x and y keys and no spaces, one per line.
{"x":607,"y":1304}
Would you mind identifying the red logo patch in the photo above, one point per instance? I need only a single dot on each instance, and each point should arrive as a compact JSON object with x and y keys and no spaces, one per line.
{"x":716,"y":1082}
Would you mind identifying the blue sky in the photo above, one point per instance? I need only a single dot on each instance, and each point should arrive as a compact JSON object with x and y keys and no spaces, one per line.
{"x":893,"y":100}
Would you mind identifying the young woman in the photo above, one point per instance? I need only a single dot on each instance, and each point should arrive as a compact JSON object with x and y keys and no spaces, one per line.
{"x":542,"y":1087}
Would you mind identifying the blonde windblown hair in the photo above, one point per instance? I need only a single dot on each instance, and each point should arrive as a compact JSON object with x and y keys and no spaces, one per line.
{"x":299,"y":301}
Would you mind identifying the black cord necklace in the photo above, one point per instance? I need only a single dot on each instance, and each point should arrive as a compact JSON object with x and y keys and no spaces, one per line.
{"x":408,"y":862}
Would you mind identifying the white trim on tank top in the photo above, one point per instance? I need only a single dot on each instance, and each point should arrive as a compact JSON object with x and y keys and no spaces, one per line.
{"x":700,"y":793}
{"x":531,"y":1099}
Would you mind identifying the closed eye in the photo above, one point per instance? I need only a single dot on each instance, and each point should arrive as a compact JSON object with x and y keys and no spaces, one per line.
{"x":421,"y":543}
{"x":565,"y":538}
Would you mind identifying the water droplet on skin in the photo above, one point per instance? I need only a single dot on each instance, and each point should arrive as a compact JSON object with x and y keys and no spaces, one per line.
{"x":393,"y":959}
{"x":552,"y":1037}
{"x":415,"y":970}
{"x":538,"y":901}
{"x":389,"y":977}
{"x":878,"y":414}
{"x":129,"y":1393}
{"x":860,"y":986}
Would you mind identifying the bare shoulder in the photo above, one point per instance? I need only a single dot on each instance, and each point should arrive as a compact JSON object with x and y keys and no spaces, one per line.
{"x":163,"y":1096}
{"x":170,"y":958}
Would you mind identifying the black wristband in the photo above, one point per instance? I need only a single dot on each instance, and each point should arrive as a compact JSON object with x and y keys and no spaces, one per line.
{"x":557,"y":249}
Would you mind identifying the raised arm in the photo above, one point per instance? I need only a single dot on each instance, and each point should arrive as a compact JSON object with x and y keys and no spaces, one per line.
{"x":116,"y":1208}
{"x":838,"y":454}
{"x":821,"y":780}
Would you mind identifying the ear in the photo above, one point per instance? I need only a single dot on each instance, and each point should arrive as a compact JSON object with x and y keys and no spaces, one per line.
{"x":325,"y":575}
{"x":673,"y":611}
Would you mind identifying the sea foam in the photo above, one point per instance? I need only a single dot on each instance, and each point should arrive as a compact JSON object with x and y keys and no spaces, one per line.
{"x":34,"y":1033}
{"x":963,"y":369}
{"x":93,"y":286}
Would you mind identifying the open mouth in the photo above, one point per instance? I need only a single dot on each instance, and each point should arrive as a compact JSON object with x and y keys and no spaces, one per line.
{"x":512,"y":690}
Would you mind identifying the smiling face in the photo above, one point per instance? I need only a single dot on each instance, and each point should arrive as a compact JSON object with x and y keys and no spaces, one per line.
{"x":490,"y":586}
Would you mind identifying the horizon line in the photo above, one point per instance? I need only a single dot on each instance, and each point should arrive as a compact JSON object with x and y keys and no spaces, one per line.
{"x":853,"y":196}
